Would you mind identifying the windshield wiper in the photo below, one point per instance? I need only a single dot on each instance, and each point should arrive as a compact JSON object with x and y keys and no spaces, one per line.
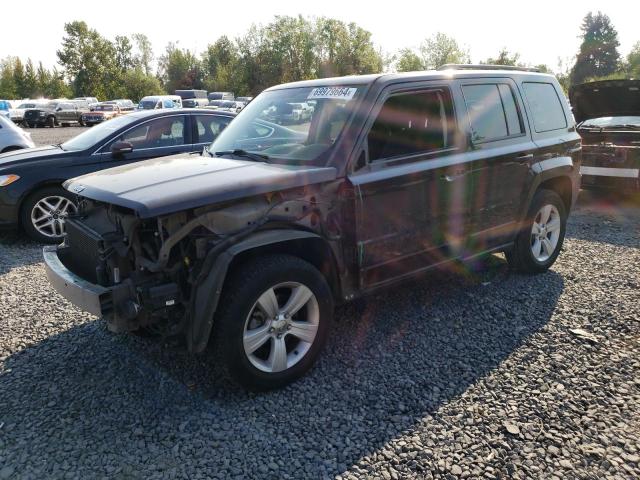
{"x":238,"y":152}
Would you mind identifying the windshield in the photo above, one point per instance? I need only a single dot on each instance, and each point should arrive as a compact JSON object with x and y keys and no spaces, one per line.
{"x":96,"y":134}
{"x":605,"y":122}
{"x":293,"y":135}
{"x":148,"y":104}
{"x":27,"y":105}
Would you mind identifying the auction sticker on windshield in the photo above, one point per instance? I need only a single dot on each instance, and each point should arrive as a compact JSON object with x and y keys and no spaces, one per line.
{"x":342,"y":93}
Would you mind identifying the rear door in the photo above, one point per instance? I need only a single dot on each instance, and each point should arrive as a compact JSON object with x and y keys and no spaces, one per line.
{"x":206,"y":129}
{"x":503,"y":152}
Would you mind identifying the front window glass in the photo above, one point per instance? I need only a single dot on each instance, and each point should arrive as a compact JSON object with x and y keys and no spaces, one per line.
{"x":297,"y":136}
{"x":410,"y":124}
{"x":148,"y":104}
{"x":95,"y":135}
{"x":157,"y":133}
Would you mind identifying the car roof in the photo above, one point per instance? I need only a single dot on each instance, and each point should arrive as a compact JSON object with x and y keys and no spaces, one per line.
{"x":387,"y":78}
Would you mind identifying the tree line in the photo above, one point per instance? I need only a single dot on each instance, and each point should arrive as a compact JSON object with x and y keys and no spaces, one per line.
{"x":285,"y":50}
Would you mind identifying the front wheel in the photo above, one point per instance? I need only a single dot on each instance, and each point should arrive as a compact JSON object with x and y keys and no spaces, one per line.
{"x":272,"y":321}
{"x":44,"y":213}
{"x":51,"y":122}
{"x":539,"y":242}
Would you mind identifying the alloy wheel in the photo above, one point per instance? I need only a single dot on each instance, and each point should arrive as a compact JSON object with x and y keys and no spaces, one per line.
{"x":281,"y":327}
{"x":545,"y":233}
{"x":49,"y":214}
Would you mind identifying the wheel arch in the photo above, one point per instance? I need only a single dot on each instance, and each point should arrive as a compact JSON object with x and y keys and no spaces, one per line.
{"x":306,"y":245}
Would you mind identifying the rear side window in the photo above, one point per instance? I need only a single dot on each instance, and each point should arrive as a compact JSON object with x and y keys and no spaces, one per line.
{"x":493,"y":113}
{"x":411,"y":123}
{"x":545,"y":106}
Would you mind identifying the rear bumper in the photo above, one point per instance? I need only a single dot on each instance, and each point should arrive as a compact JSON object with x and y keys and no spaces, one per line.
{"x":89,"y":297}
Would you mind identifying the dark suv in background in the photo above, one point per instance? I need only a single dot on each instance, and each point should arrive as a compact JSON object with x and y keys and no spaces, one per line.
{"x":55,"y":113}
{"x":252,"y":244}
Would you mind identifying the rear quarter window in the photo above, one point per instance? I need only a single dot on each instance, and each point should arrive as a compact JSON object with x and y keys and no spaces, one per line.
{"x":546,"y":108}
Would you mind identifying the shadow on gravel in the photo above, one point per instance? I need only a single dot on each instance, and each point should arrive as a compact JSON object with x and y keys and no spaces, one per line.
{"x":91,"y":402}
{"x":16,"y":250}
{"x":606,"y":217}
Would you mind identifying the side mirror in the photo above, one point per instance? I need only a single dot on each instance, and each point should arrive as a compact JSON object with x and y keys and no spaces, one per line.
{"x":118,"y":149}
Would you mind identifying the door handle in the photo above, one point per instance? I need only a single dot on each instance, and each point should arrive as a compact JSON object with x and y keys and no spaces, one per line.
{"x":453,"y":177}
{"x":524,"y":158}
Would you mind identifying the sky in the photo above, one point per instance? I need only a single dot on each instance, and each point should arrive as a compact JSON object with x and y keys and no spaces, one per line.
{"x":541,"y":31}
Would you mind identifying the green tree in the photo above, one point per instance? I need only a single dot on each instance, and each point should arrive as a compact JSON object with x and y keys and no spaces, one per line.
{"x":598,"y":55}
{"x":43,"y":79}
{"x":88,"y":60}
{"x":633,"y":62}
{"x":137,"y":84}
{"x":344,"y":49}
{"x":124,"y":53}
{"x":408,"y":61}
{"x":179,"y":68}
{"x":8,"y":87}
{"x":144,"y":53}
{"x":441,"y":49}
{"x":220,"y":64}
{"x":504,"y":58}
{"x":30,"y":80}
{"x":57,"y":87}
{"x":18,"y":78}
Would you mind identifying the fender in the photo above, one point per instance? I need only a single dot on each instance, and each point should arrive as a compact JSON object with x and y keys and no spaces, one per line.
{"x":207,"y":293}
{"x":556,"y":167}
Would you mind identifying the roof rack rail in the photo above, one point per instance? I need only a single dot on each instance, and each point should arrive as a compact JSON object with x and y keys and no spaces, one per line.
{"x":468,"y":66}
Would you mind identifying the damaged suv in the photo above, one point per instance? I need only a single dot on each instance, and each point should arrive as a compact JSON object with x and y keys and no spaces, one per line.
{"x":608,"y":116}
{"x":253,"y":242}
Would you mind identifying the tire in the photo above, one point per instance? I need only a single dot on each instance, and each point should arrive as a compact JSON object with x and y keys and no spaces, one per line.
{"x":54,"y":233}
{"x":530,"y":254}
{"x":239,"y":313}
{"x":51,"y":122}
{"x":81,"y":123}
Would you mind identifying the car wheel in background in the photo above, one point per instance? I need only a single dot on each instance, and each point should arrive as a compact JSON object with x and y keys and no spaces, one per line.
{"x":44,"y":212}
{"x":51,"y":122}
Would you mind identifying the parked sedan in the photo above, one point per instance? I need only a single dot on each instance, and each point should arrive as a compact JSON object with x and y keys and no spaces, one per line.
{"x":12,"y":137}
{"x":100,"y":113}
{"x":31,"y":195}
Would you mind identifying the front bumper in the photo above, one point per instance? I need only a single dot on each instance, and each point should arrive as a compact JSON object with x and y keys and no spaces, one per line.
{"x":89,"y":297}
{"x":612,"y":178}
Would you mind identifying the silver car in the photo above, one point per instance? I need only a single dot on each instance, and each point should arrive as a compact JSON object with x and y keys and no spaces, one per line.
{"x":12,"y":137}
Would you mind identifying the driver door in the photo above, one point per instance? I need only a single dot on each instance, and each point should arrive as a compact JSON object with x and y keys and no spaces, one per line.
{"x":155,"y":138}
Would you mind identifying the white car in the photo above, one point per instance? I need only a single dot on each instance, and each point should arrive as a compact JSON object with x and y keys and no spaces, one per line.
{"x":12,"y":137}
{"x":17,"y":113}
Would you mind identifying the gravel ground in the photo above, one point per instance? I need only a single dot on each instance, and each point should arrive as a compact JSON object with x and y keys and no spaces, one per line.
{"x":462,"y":375}
{"x":52,"y":136}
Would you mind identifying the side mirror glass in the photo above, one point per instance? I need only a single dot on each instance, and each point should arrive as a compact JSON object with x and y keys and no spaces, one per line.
{"x":120,"y":148}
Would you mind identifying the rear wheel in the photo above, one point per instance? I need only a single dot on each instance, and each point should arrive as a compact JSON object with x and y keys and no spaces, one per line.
{"x":51,"y":122}
{"x":272,"y":321}
{"x":539,"y":242}
{"x":44,"y":213}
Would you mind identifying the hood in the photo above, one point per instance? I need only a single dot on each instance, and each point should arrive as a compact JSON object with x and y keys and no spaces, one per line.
{"x":180,"y":182}
{"x":19,"y":157}
{"x":608,"y":98}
